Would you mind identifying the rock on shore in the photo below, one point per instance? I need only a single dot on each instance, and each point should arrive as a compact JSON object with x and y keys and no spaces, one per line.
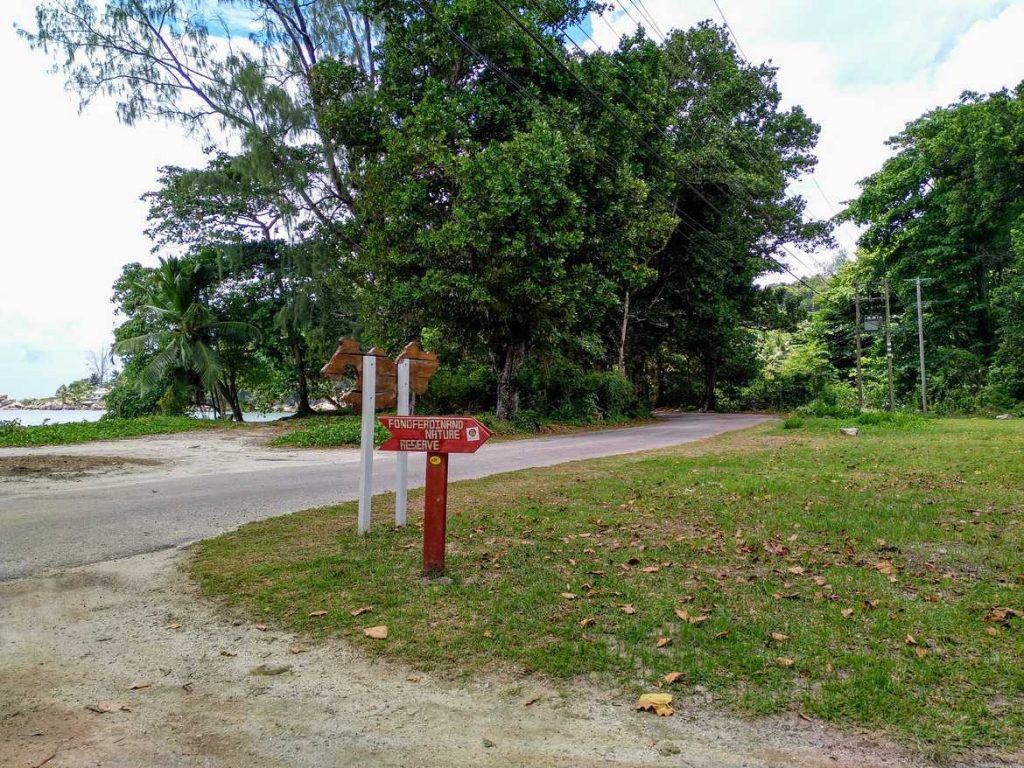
{"x":52,"y":404}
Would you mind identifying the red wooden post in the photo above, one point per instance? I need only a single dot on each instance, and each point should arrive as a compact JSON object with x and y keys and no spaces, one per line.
{"x":435,"y":514}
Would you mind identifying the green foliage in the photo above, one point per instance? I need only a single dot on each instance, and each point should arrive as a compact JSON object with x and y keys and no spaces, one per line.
{"x":793,"y":422}
{"x":126,"y":400}
{"x":14,"y":435}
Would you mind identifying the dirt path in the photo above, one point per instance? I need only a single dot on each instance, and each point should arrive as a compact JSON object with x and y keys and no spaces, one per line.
{"x":88,"y":635}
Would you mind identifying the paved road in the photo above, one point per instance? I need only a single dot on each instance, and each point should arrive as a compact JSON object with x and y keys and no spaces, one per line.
{"x":81,"y":525}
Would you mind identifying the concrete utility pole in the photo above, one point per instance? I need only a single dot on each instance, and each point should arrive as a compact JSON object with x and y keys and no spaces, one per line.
{"x":856,"y":336}
{"x":888,"y":346}
{"x":920,"y":346}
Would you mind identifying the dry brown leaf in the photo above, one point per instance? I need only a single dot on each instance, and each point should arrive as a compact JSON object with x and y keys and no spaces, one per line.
{"x":782,"y":661}
{"x":261,"y":627}
{"x":659,"y":703}
{"x":683,"y":614}
{"x":297,"y":649}
{"x":360,"y":611}
{"x":488,"y":634}
{"x":588,"y":622}
{"x":671,"y":677}
{"x":663,"y":641}
{"x":229,"y":654}
{"x":796,"y":570}
{"x":105,"y":707}
{"x":884,"y":567}
{"x":568,"y":596}
{"x":698,"y":620}
{"x":174,"y":625}
{"x":316,"y":614}
{"x":909,"y":640}
{"x":992,"y":631}
{"x":724,"y":634}
{"x":847,"y":612}
{"x":920,"y":652}
{"x":779,"y":637}
{"x":628,"y":609}
{"x":651,"y":569}
{"x":531,"y":701}
{"x":377,"y":633}
{"x":139,"y":686}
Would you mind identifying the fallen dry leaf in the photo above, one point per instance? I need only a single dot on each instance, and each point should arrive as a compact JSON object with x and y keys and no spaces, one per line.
{"x":315,"y":614}
{"x":683,"y":614}
{"x":377,"y":633}
{"x":531,"y":701}
{"x":847,"y":612}
{"x":659,"y":703}
{"x":261,"y":627}
{"x":671,"y":677}
{"x":587,"y":622}
{"x":698,"y":620}
{"x":139,"y":686}
{"x":909,"y":640}
{"x":920,"y":652}
{"x":488,"y":634}
{"x":782,"y":661}
{"x":228,"y":653}
{"x":779,"y":637}
{"x":651,"y":569}
{"x":174,"y":625}
{"x":884,"y":567}
{"x":663,"y":641}
{"x":360,"y":611}
{"x":628,"y":608}
{"x":796,"y":570}
{"x":297,"y":649}
{"x":105,"y":707}
{"x":568,"y":596}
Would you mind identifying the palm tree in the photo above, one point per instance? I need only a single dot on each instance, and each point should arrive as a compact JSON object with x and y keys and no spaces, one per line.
{"x":187,"y":334}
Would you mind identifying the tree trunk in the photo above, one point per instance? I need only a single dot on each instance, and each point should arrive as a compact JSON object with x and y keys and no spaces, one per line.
{"x":710,"y":380}
{"x":508,"y":395}
{"x":228,"y":400}
{"x":299,"y":352}
{"x":622,"y":335}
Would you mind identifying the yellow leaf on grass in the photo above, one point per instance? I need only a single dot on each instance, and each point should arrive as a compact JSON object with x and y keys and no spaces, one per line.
{"x":782,"y":661}
{"x":683,"y":614}
{"x":658,"y":703}
{"x":796,"y":570}
{"x":360,"y":611}
{"x":568,"y":596}
{"x":847,"y":612}
{"x":587,"y":622}
{"x":651,"y":569}
{"x":261,"y":627}
{"x":315,"y":614}
{"x":909,"y":640}
{"x":663,"y":641}
{"x":698,"y":620}
{"x":174,"y":625}
{"x":920,"y":652}
{"x":377,"y":633}
{"x":671,"y":677}
{"x":779,"y":637}
{"x":628,"y":608}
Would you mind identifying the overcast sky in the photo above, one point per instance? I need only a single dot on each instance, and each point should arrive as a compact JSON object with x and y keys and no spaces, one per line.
{"x":69,"y":202}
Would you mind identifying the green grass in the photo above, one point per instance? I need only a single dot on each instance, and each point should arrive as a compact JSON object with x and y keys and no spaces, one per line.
{"x":15,"y":435}
{"x":845,"y":547}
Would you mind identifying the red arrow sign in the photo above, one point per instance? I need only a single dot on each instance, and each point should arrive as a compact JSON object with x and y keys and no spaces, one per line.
{"x":434,"y":434}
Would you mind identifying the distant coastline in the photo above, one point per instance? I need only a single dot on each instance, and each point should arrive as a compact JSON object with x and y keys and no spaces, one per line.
{"x":94,"y":403}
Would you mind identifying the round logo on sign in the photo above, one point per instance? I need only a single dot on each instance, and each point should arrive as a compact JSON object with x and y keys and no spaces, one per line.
{"x":473,"y":433}
{"x":435,"y":460}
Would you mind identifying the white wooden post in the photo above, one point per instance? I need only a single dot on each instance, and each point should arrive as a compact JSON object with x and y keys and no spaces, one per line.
{"x":369,"y":394}
{"x":402,"y":466}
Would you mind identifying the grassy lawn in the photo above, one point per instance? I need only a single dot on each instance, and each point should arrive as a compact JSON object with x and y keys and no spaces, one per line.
{"x":17,"y":436}
{"x":868,"y":581}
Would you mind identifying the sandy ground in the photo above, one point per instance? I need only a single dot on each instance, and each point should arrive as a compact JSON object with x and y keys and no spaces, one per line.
{"x":182,"y":455}
{"x":85,"y":637}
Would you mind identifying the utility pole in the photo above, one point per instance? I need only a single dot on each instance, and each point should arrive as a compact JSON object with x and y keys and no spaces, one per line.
{"x":856,"y":336}
{"x":920,"y":347}
{"x":888,"y":345}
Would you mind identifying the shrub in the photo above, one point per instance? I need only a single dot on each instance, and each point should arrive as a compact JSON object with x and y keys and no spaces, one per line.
{"x":793,"y":422}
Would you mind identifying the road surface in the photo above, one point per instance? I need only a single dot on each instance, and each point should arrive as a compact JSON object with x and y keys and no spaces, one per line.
{"x":98,"y":519}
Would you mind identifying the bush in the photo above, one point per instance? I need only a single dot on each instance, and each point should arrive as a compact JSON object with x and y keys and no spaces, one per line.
{"x":793,"y":422}
{"x":126,"y":401}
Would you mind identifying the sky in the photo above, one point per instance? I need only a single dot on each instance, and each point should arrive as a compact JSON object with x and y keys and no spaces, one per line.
{"x":71,"y":216}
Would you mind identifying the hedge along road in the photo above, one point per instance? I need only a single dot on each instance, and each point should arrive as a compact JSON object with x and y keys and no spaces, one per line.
{"x":87,"y":522}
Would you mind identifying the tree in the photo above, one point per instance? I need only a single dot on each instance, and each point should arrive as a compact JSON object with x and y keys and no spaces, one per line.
{"x":187,"y":341}
{"x":101,"y":364}
{"x":945,"y":208}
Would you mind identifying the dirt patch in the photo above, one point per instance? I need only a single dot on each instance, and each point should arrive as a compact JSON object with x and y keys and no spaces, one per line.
{"x":134,"y":633}
{"x":66,"y":466}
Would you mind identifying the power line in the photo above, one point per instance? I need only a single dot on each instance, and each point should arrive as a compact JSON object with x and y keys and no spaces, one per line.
{"x":735,"y":39}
